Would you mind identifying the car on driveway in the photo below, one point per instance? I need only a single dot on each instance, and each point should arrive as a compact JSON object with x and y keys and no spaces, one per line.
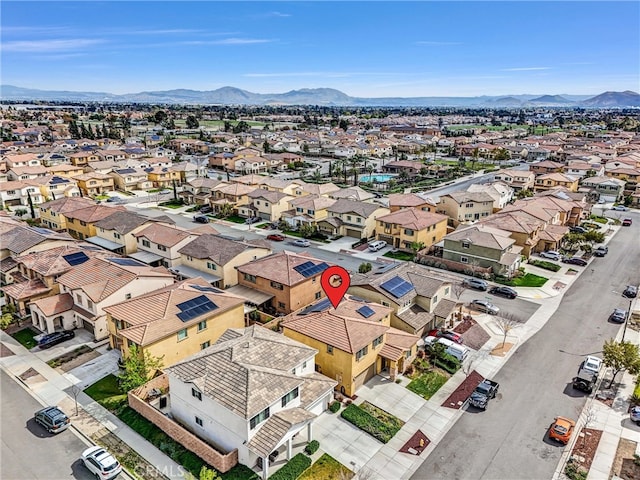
{"x":575,"y":261}
{"x":562,"y":429}
{"x":592,"y":364}
{"x":51,"y":339}
{"x":454,"y":337}
{"x":276,"y":237}
{"x":551,"y":254}
{"x":630,"y":291}
{"x":503,"y":291}
{"x":301,"y":242}
{"x":252,"y":220}
{"x":578,"y":229}
{"x":627,"y":222}
{"x":620,"y":208}
{"x":53,"y":419}
{"x":101,"y":463}
{"x":618,"y":315}
{"x":484,"y":306}
{"x":634,"y":414}
{"x":476,"y":283}
{"x":206,"y":209}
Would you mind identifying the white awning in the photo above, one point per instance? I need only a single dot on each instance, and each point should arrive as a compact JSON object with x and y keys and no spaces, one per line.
{"x":255,"y":297}
{"x":145,"y":257}
{"x":104,"y":243}
{"x":188,"y":272}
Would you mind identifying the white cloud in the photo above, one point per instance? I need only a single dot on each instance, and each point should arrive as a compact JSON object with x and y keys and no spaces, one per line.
{"x":525,"y":69}
{"x":42,"y":46}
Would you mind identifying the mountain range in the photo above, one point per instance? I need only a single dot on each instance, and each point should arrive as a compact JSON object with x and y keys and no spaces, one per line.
{"x":321,"y":97}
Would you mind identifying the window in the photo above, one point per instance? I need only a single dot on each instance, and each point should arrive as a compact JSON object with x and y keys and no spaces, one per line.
{"x":377,"y":341}
{"x":78,"y":299}
{"x":146,"y":243}
{"x":330,"y":349}
{"x":162,"y":248}
{"x":465,"y":245}
{"x":435,"y":299}
{"x":90,"y":304}
{"x":358,"y":219}
{"x":250,"y":278}
{"x":182,"y":334}
{"x":210,"y":266}
{"x":281,"y":305}
{"x":464,"y":259}
{"x":408,"y":232}
{"x":204,"y":345}
{"x":290,"y":396}
{"x":196,"y":393}
{"x":299,"y":210}
{"x":199,"y":421}
{"x":202,"y":325}
{"x":304,"y":365}
{"x":348,"y":218}
{"x":84,"y":224}
{"x":318,"y":295}
{"x":311,"y":212}
{"x":361,"y":353}
{"x":259,"y":418}
{"x":116,"y":235}
{"x":277,"y":286}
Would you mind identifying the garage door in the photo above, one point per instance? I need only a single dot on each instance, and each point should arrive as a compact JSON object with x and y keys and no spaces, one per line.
{"x":361,"y":379}
{"x":87,"y":326}
{"x":353,"y":233}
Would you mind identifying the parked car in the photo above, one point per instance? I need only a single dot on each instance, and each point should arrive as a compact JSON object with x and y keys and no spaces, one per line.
{"x":627,"y":222}
{"x":454,"y":337}
{"x":276,"y":237}
{"x":601,"y":251}
{"x":585,"y":381}
{"x":201,"y":219}
{"x":377,"y":245}
{"x":484,"y":306}
{"x":618,"y":315}
{"x":485,"y":391}
{"x":551,"y":254}
{"x":53,"y":419}
{"x":578,"y":229}
{"x":575,"y":261}
{"x":630,"y":291}
{"x":206,"y":209}
{"x":51,"y":339}
{"x":101,"y":463}
{"x":251,"y":220}
{"x":476,"y":283}
{"x":634,"y":414}
{"x":620,"y":208}
{"x":592,"y":364}
{"x":301,"y":242}
{"x":503,"y":291}
{"x":562,"y":429}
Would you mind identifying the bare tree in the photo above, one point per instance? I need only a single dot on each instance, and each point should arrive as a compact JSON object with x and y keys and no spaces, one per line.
{"x":458,"y":288}
{"x":472,"y":361}
{"x":507,"y":322}
{"x":589,"y":416}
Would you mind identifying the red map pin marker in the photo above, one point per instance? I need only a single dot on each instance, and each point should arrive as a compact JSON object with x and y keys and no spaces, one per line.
{"x":335,"y":281}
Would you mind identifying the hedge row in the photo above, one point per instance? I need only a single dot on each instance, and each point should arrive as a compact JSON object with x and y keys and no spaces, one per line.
{"x":368,"y":423}
{"x":334,"y":406}
{"x":554,"y":267}
{"x":293,"y":469}
{"x":448,"y":362}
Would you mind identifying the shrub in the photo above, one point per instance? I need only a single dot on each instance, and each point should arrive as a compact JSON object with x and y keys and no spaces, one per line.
{"x":334,"y":406}
{"x":408,"y":370}
{"x":312,"y":447}
{"x":448,"y":362}
{"x":370,"y":424}
{"x":546,"y":265}
{"x":574,"y":471}
{"x":293,"y":469}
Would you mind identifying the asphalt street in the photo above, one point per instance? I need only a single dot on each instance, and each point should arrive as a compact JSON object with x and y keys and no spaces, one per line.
{"x":28,"y":451}
{"x":509,"y":440}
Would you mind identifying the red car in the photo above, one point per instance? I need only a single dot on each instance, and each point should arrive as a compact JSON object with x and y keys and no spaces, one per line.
{"x":276,"y":237}
{"x":454,"y":337}
{"x":627,"y":222}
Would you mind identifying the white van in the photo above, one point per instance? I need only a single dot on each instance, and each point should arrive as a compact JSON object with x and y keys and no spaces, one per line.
{"x":377,"y":245}
{"x":459,"y":351}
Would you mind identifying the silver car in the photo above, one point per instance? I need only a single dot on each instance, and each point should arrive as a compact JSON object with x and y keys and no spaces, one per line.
{"x":551,"y":254}
{"x":484,"y":306}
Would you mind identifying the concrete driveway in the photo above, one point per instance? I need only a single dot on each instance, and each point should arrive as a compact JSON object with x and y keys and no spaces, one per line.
{"x":95,"y":369}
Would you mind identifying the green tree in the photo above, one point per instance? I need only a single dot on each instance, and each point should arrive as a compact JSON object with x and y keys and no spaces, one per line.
{"x":160,"y":117}
{"x":416,"y":247}
{"x":21,"y":211}
{"x":138,"y":368}
{"x":192,"y":122}
{"x":365,"y":267}
{"x":207,"y":474}
{"x":266,"y":147}
{"x":593,"y":236}
{"x":5,"y":320}
{"x":225,"y":210}
{"x":306,"y":231}
{"x":621,"y":356}
{"x":344,"y":124}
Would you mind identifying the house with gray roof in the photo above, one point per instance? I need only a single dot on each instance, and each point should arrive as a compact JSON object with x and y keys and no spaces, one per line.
{"x":252,"y":391}
{"x":351,"y":218}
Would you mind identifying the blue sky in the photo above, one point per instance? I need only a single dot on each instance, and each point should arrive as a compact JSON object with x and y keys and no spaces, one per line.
{"x":365,"y":49}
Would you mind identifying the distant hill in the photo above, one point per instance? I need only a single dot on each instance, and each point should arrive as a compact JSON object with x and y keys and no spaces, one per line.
{"x":614,"y":99}
{"x":315,"y":96}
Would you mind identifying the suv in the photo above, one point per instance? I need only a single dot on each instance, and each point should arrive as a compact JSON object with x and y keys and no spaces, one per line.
{"x":630,"y":291}
{"x":585,"y":381}
{"x":561,"y":429}
{"x":551,"y":254}
{"x":53,"y":419}
{"x":476,"y":283}
{"x":601,"y":251}
{"x":51,"y":339}
{"x":592,"y":364}
{"x":201,"y":219}
{"x":101,"y":463}
{"x":627,"y":222}
{"x":484,"y":306}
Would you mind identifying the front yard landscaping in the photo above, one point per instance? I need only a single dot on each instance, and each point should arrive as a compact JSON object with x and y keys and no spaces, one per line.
{"x":427,"y":384}
{"x":326,"y":468}
{"x":376,"y":422}
{"x":527,"y":280}
{"x":554,"y":267}
{"x":25,"y":337}
{"x":404,"y":256}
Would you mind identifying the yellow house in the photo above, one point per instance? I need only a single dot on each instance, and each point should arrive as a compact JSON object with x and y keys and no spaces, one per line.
{"x":70,"y":171}
{"x":266,"y":204}
{"x":162,"y":177}
{"x":466,"y":207}
{"x":52,"y":214}
{"x":235,"y":194}
{"x":215,"y":258}
{"x":398,"y":201}
{"x":83,"y":158}
{"x":94,"y":183}
{"x":353,"y":341}
{"x":406,"y":228}
{"x":552,"y":180}
{"x":53,"y":187}
{"x":307,"y":210}
{"x":174,"y":322}
{"x":81,"y":223}
{"x":351,"y":218}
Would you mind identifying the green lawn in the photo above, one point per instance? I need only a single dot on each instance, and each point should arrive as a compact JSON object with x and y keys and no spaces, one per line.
{"x":427,"y":384}
{"x":376,"y":422}
{"x":235,"y":219}
{"x":107,"y":393}
{"x":527,"y":280}
{"x":326,"y":468}
{"x":25,"y":337}
{"x":404,"y":256}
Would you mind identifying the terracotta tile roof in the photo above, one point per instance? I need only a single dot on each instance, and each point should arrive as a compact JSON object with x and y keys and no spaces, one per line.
{"x":206,"y":229}
{"x":319,"y":188}
{"x":416,"y":316}
{"x":236,"y":189}
{"x":405,"y":200}
{"x":413,"y":218}
{"x":20,"y":239}
{"x":444,"y":308}
{"x":352,"y":193}
{"x":93,"y":213}
{"x":52,"y":262}
{"x":123,"y":221}
{"x":483,"y":236}
{"x":25,"y":290}
{"x":271,"y":196}
{"x":67,"y":204}
{"x":275,"y":428}
{"x":556,"y":176}
{"x":344,"y":205}
{"x":12,"y":185}
{"x":165,"y":235}
{"x":219,"y":249}
{"x":154,"y":316}
{"x":517,"y":221}
{"x":312,"y":202}
{"x":246,"y":370}
{"x":54,"y":305}
{"x":464,"y":197}
{"x":279,"y":267}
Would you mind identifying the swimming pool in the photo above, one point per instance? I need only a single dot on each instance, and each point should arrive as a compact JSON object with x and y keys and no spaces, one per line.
{"x":381,"y":178}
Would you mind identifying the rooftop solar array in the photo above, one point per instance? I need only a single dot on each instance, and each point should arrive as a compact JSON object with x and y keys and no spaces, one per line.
{"x":365,"y":311}
{"x":76,"y":258}
{"x":309,"y":269}
{"x":397,"y":287}
{"x":126,"y":262}
{"x":321,"y":306}
{"x":43,"y":231}
{"x":205,"y":289}
{"x":195,"y":307}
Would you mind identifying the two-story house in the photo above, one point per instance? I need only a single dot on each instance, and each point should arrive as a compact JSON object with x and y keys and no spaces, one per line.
{"x":466,"y":207}
{"x":552,"y":180}
{"x":545,"y":167}
{"x":127,"y":179}
{"x":80,"y":223}
{"x":234,"y":194}
{"x":52,"y":213}
{"x":351,"y":218}
{"x":516,"y":179}
{"x":398,"y":201}
{"x":307,"y":210}
{"x":501,"y":193}
{"x":352,"y":193}
{"x":16,"y":194}
{"x":159,"y":244}
{"x":411,"y":229}
{"x":265,"y":204}
{"x":606,"y":189}
{"x":94,"y":183}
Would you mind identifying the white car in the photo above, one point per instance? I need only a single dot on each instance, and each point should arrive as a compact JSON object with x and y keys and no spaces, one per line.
{"x":484,"y":306}
{"x":101,"y":463}
{"x":551,"y":254}
{"x":620,"y":208}
{"x":301,"y":242}
{"x":592,"y":364}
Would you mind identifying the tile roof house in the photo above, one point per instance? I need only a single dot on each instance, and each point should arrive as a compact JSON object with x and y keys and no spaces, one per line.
{"x":352,"y":193}
{"x":420,"y":299}
{"x":550,"y":180}
{"x":516,"y":179}
{"x":80,"y":223}
{"x":175,"y":321}
{"x":98,"y":283}
{"x":351,"y":218}
{"x":355,"y":341}
{"x":94,"y":183}
{"x":501,"y":193}
{"x":198,"y":190}
{"x":409,"y":228}
{"x":466,"y":207}
{"x":265,"y":204}
{"x":18,"y":240}
{"x":307,"y":210}
{"x":252,"y":391}
{"x":215,"y":258}
{"x":117,"y":232}
{"x":605,"y":188}
{"x":290,"y":280}
{"x":234,"y":194}
{"x":398,"y":201}
{"x":52,"y":213}
{"x":16,"y":194}
{"x":53,"y":186}
{"x":160,"y":244}
{"x":129,"y":178}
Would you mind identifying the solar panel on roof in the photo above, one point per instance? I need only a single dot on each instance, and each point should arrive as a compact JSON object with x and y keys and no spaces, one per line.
{"x":43,"y":231}
{"x":321,"y":306}
{"x":309,"y":269}
{"x":205,"y":289}
{"x":397,"y":287}
{"x":126,"y":262}
{"x":365,"y":311}
{"x":55,"y":180}
{"x":195,"y":307}
{"x":76,"y":258}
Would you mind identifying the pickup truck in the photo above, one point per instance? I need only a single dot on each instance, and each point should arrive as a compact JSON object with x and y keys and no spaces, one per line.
{"x":485,"y":391}
{"x":585,"y":380}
